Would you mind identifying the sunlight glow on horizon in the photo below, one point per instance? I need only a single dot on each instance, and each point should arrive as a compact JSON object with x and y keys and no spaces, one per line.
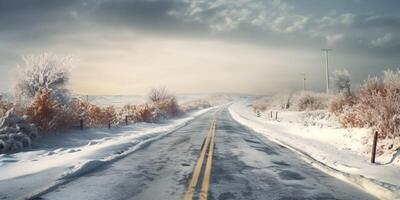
{"x":138,"y":64}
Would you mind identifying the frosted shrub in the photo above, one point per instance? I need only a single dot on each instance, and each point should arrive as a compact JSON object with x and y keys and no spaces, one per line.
{"x":41,"y":90}
{"x":43,"y":111}
{"x":300,"y":101}
{"x":344,"y":106}
{"x":145,"y":113}
{"x":379,"y":103}
{"x":261,"y":104}
{"x":15,"y":133}
{"x":48,"y":114}
{"x":95,"y":116}
{"x":167,"y":107}
{"x":194,"y":105}
{"x":127,"y":111}
{"x":309,"y":101}
{"x":151,"y":112}
{"x":376,"y":104}
{"x":162,"y":106}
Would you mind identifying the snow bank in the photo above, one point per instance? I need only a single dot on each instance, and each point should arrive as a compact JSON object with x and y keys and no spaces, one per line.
{"x":320,"y":141}
{"x":59,"y":159}
{"x":83,"y":168}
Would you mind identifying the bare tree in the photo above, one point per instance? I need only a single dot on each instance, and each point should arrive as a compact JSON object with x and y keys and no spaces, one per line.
{"x":342,"y":81}
{"x":158,"y":94}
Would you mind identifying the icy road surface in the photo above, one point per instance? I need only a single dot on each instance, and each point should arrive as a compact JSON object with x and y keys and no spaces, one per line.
{"x":245,"y":165}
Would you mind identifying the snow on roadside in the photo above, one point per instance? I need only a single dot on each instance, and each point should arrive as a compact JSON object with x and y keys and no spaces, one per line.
{"x":59,"y":158}
{"x":338,"y":151}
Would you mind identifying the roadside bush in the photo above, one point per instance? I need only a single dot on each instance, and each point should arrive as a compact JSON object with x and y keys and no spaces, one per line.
{"x":145,"y":113}
{"x":379,"y":103}
{"x":127,"y":111}
{"x":95,"y":116}
{"x":16,"y":133}
{"x":150,"y":112}
{"x":194,"y":105}
{"x":344,"y":106}
{"x":301,"y":101}
{"x":166,"y":108}
{"x":376,"y":104}
{"x":48,"y":114}
{"x":262,"y":104}
{"x":41,"y":93}
{"x":309,"y":101}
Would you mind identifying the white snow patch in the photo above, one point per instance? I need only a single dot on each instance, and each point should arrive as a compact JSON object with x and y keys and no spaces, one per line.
{"x":82,"y":168}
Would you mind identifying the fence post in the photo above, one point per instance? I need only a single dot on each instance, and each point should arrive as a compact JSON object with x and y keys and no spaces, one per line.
{"x":271,"y":114}
{"x":126,"y":120}
{"x":374,"y":147}
{"x":81,"y":124}
{"x":109,"y":124}
{"x":276,"y":115}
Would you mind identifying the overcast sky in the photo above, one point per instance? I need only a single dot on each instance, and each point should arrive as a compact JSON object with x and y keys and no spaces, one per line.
{"x":201,"y":46}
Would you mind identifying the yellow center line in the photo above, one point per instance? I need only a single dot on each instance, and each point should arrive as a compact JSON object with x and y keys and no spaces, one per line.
{"x":207,"y":173}
{"x":197,"y":170}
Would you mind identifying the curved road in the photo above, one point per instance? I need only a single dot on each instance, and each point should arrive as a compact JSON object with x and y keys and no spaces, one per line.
{"x":245,"y":166}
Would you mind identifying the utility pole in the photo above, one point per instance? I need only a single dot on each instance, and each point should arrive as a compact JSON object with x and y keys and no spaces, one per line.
{"x":304,"y":81}
{"x":327,"y":69}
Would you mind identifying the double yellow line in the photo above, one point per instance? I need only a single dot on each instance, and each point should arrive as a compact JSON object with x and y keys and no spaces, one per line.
{"x":208,"y":146}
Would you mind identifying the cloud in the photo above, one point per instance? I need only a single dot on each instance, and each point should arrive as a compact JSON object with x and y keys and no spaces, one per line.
{"x":382,"y":41}
{"x":29,"y":26}
{"x":226,"y":16}
{"x":336,"y":20}
{"x":333,"y":39}
{"x":347,"y":18}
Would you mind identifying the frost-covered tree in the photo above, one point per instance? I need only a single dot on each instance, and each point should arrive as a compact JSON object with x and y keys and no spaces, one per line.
{"x":41,"y":91}
{"x":341,"y":79}
{"x":44,"y":71}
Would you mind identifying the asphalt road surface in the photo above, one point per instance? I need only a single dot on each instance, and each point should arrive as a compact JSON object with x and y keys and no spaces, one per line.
{"x":213,"y":157}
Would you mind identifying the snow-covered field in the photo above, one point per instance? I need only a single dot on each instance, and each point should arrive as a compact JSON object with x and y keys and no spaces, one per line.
{"x":320,"y":140}
{"x":56,"y":159}
{"x":122,"y":100}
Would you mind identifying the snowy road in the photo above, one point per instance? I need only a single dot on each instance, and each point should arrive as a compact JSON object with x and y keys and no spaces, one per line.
{"x":245,"y":165}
